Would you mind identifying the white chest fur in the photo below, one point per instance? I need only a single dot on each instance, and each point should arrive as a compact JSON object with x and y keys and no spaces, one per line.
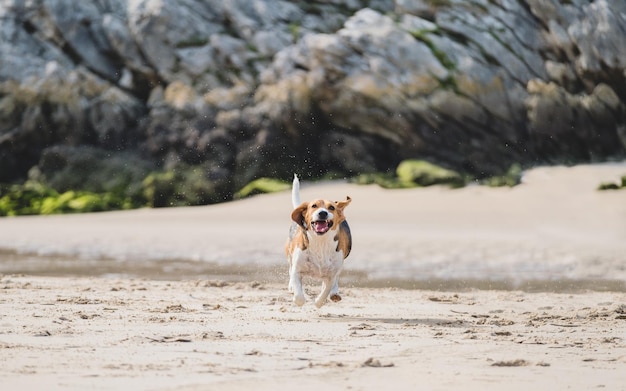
{"x":321,"y":258}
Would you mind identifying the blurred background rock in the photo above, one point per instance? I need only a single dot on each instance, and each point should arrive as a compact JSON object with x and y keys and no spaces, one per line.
{"x":129,"y":103}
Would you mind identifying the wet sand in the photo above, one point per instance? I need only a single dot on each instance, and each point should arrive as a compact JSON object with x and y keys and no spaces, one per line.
{"x":509,"y":288}
{"x":554,"y":227}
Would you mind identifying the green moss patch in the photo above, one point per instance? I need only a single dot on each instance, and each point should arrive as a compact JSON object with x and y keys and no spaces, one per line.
{"x":420,"y":173}
{"x":413,"y":173}
{"x":512,"y":177}
{"x":384,"y":180}
{"x":262,"y":185}
{"x":613,"y":185}
{"x":34,"y":199}
{"x":423,"y":173}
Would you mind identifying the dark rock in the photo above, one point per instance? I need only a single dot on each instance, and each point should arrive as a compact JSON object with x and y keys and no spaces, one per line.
{"x":245,"y":89}
{"x":65,"y":168}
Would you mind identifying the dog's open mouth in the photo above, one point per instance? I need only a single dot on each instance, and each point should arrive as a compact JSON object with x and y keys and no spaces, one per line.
{"x":321,"y":226}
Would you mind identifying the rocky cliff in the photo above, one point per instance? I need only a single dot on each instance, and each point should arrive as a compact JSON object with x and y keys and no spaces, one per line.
{"x":225,"y":91}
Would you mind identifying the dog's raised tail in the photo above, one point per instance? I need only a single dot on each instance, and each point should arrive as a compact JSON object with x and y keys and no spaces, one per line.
{"x":295,"y":191}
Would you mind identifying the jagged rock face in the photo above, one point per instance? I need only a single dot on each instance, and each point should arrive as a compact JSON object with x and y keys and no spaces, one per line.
{"x":250,"y":88}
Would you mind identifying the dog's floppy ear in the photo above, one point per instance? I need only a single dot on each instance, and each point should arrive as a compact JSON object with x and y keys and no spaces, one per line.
{"x":298,"y":214}
{"x":343,"y":204}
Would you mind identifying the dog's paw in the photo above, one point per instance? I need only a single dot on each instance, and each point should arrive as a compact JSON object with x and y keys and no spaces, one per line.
{"x":335,"y":297}
{"x":320,"y":303}
{"x":298,"y":300}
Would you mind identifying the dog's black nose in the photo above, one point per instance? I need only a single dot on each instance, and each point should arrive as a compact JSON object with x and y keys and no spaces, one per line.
{"x":322,"y":214}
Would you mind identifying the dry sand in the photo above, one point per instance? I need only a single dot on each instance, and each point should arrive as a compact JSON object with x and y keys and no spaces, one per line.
{"x":196,"y":299}
{"x":83,"y":333}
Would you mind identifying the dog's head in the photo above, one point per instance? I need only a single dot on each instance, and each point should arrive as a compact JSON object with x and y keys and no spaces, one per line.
{"x":320,"y":216}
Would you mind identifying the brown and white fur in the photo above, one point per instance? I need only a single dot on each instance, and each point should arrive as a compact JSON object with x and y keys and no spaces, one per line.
{"x":319,"y":241}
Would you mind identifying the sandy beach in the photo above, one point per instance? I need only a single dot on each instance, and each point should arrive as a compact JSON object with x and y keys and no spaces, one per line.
{"x":474,"y":288}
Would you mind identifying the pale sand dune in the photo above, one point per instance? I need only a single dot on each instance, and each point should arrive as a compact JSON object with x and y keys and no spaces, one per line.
{"x":110,"y":333}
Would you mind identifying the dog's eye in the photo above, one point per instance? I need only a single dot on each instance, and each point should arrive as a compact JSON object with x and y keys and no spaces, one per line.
{"x":314,"y":206}
{"x":331,"y":207}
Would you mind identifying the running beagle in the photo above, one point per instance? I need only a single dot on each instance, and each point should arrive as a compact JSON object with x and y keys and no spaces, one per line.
{"x":319,"y":241}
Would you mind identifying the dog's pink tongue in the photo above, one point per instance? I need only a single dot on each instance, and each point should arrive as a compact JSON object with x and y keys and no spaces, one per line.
{"x":321,"y":226}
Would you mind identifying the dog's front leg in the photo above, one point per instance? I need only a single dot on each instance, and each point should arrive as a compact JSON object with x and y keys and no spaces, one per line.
{"x":321,"y":298}
{"x":337,"y":267}
{"x":295,"y":279}
{"x":334,"y":291}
